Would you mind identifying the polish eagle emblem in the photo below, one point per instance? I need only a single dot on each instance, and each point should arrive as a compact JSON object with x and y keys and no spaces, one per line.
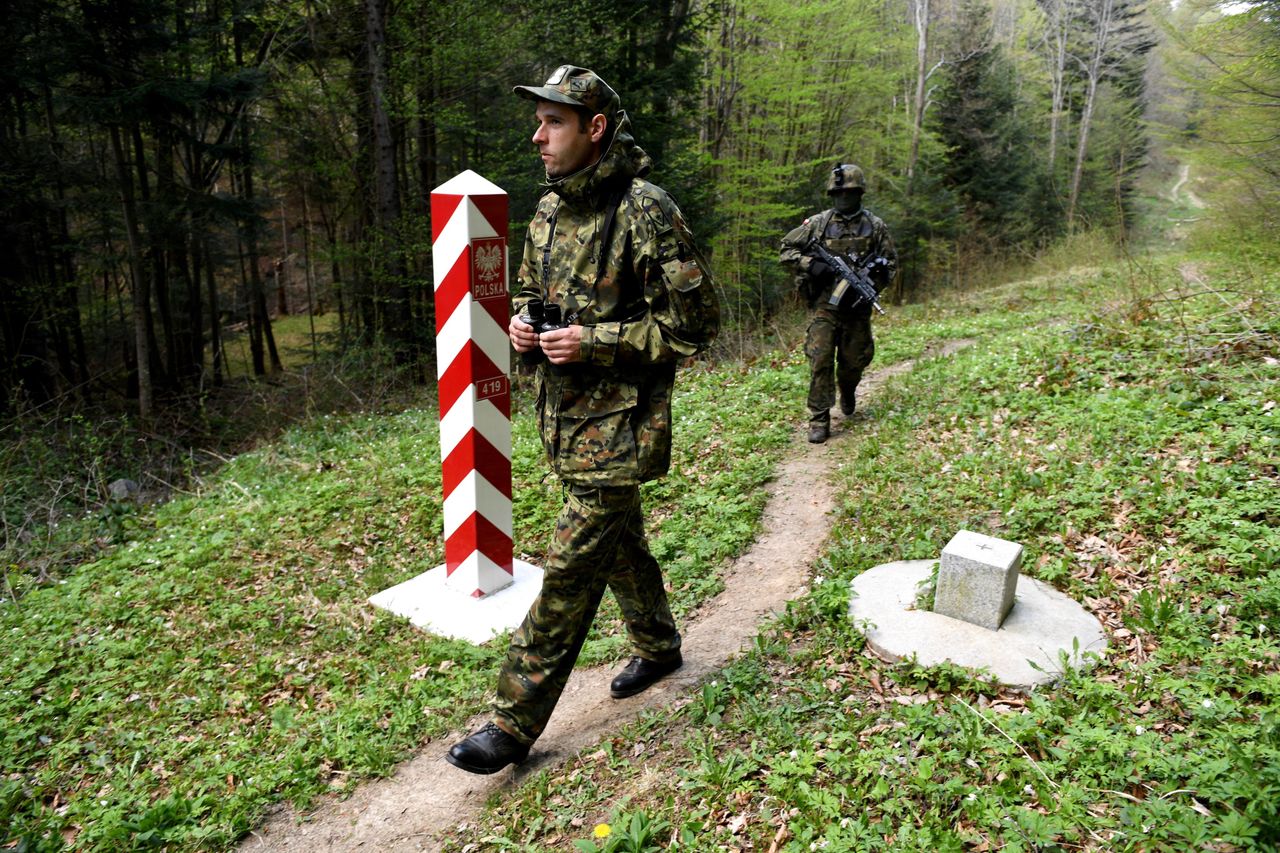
{"x":488,"y":262}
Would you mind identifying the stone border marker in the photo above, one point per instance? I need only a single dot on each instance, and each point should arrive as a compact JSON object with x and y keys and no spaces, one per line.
{"x":977,"y":578}
{"x":1027,"y":651}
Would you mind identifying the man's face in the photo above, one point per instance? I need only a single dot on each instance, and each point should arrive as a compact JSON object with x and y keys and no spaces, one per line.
{"x":563,"y":143}
{"x":847,"y":201}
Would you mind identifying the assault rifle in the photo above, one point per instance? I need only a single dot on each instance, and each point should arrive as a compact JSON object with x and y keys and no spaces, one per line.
{"x":855,"y":286}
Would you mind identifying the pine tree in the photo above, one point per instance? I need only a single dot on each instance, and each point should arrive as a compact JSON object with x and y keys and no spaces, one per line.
{"x":984,"y":127}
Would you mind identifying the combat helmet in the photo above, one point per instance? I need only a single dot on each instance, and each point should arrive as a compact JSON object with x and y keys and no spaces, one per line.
{"x":846,"y":176}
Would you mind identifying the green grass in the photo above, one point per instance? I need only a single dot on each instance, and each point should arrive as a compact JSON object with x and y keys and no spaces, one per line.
{"x":294,"y":343}
{"x":1131,"y":446}
{"x":222,"y":658}
{"x":225,"y":657}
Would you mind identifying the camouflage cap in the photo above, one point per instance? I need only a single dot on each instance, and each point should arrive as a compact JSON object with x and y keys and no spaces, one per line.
{"x":846,"y":176}
{"x":578,"y":87}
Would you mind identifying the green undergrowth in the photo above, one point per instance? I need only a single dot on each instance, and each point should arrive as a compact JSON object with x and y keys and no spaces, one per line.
{"x":1129,"y":440}
{"x":58,"y":462}
{"x":299,"y":338}
{"x":225,"y":657}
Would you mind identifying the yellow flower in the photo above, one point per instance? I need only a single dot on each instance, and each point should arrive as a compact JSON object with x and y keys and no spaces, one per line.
{"x":602,"y":830}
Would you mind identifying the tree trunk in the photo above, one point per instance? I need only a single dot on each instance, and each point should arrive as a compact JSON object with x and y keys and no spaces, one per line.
{"x":154,"y":257}
{"x":264,"y":315}
{"x":215,"y":322}
{"x":920,"y":19}
{"x":138,"y":286}
{"x":428,"y":151}
{"x":724,"y":85}
{"x":282,"y":267}
{"x":1082,"y":149}
{"x":259,"y":320}
{"x":66,"y":262}
{"x":309,"y":273}
{"x":1056,"y":12}
{"x":25,"y":350}
{"x":183,"y":303}
{"x":1103,"y":14}
{"x":387,"y":258}
{"x":672,"y":17}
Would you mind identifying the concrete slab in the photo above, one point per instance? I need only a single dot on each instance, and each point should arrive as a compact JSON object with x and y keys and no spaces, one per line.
{"x":428,"y":602}
{"x":1042,"y":623}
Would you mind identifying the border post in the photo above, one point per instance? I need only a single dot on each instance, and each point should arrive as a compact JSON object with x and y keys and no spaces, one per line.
{"x":473,"y":362}
{"x":469,"y":260}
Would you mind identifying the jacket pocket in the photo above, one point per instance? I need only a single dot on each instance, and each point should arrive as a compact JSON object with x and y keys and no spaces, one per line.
{"x":694,"y":308}
{"x":593,"y":436}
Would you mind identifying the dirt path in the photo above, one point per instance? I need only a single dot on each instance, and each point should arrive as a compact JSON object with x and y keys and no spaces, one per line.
{"x":417,"y":807}
{"x":1184,"y":175}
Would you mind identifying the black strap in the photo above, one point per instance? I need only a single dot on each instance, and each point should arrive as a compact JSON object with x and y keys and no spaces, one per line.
{"x":614,"y":201}
{"x":611,"y":213}
{"x":546,"y":252}
{"x":824,"y":219}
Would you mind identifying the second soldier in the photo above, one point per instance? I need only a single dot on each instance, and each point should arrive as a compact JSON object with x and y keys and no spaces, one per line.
{"x":838,"y":344}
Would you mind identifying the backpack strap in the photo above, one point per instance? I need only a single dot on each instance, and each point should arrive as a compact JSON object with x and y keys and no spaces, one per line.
{"x":613,"y":201}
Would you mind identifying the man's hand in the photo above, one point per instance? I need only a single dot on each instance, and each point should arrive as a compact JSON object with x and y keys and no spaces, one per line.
{"x":522,"y":335}
{"x":562,"y":346}
{"x":821,"y":271}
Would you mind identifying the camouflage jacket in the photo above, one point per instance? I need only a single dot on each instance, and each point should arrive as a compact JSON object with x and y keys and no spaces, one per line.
{"x":607,"y":419}
{"x":851,"y":236}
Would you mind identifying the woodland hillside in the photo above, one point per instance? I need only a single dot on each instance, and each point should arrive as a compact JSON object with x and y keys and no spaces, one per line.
{"x":218,"y":433}
{"x":214,"y":215}
{"x":179,"y":176}
{"x":176,"y":689}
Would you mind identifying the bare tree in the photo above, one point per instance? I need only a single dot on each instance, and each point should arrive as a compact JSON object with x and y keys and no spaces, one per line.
{"x":723,"y":85}
{"x":1057,"y":28}
{"x":1113,"y":34}
{"x":921,"y":20}
{"x":139,"y":284}
{"x":922,"y":17}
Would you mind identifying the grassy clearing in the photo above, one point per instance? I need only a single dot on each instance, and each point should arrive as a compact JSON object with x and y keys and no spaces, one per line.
{"x":224,"y":658}
{"x":57,"y":463}
{"x":221,"y":658}
{"x":1131,"y":445}
{"x":295,"y":343}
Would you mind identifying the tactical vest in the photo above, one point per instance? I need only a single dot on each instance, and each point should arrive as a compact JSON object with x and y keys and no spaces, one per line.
{"x":849,"y":238}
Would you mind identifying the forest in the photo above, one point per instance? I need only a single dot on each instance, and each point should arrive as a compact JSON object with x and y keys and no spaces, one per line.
{"x":178,"y":174}
{"x":219,"y":435}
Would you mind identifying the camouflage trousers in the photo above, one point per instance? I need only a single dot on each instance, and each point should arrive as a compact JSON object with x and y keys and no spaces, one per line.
{"x":599,"y":541}
{"x":839,"y":348}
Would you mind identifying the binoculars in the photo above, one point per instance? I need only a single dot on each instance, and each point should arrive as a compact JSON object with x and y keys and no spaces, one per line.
{"x":544,"y":317}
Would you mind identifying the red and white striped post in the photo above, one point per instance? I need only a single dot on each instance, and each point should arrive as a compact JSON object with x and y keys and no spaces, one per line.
{"x":469,"y":257}
{"x":473,"y":360}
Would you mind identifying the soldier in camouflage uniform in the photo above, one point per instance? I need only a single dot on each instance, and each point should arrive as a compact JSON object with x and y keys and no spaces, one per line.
{"x":613,"y":251}
{"x":837,"y":337}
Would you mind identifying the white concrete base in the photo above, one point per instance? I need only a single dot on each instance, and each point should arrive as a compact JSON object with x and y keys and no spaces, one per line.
{"x":428,"y":602}
{"x":1042,"y":623}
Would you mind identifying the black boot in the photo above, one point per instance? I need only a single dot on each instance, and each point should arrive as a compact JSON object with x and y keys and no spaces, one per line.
{"x":640,"y":673}
{"x":848,"y":405}
{"x":487,"y":751}
{"x":818,"y":433}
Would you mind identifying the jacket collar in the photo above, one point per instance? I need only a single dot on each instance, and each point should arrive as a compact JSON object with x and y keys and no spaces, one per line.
{"x":621,"y":161}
